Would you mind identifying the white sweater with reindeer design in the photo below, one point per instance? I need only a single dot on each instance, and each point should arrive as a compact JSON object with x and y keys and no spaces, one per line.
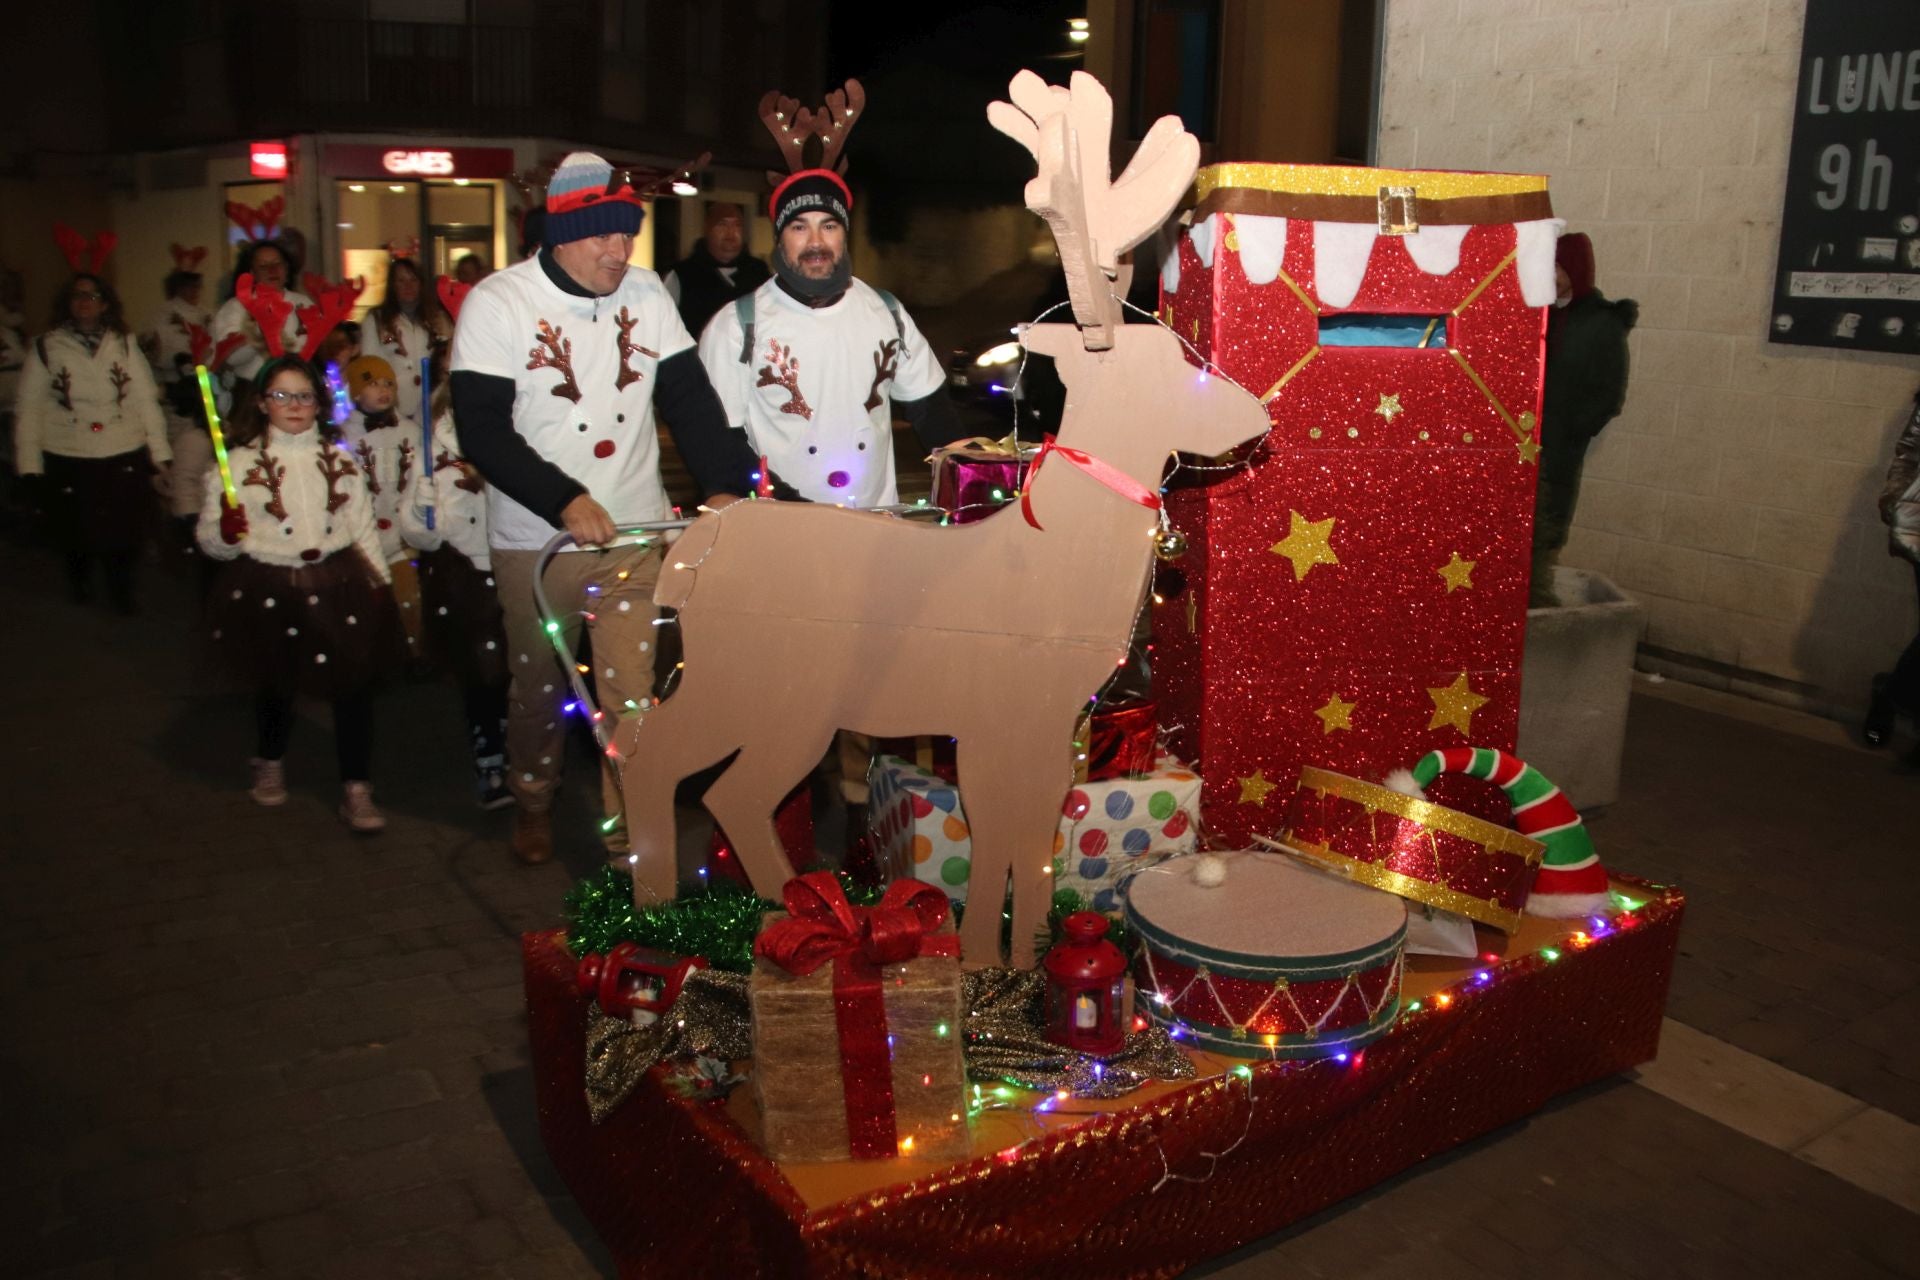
{"x":305,"y":499}
{"x":389,"y":457}
{"x":456,"y":495}
{"x":86,"y":404}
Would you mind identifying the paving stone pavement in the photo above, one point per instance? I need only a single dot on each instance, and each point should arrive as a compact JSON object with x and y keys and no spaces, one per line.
{"x":243,"y":1043}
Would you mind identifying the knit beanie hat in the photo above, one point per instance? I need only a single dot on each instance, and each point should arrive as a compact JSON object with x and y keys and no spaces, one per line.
{"x":579,"y":204}
{"x":810,"y":191}
{"x":362,"y":370}
{"x":1574,"y":255}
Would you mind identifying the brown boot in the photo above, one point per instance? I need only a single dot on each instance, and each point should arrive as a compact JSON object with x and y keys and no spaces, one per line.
{"x":533,"y":836}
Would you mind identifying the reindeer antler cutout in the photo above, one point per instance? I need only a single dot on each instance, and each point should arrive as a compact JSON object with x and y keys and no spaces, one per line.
{"x":84,"y":256}
{"x":452,"y":294}
{"x":1094,"y":220}
{"x":269,"y":309}
{"x":201,"y":348}
{"x":259,"y":223}
{"x":792,"y":124}
{"x":334,"y":303}
{"x":407,"y":248}
{"x":188,"y":259}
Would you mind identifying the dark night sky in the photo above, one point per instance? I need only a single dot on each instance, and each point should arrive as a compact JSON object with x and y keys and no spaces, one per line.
{"x":929,"y":74}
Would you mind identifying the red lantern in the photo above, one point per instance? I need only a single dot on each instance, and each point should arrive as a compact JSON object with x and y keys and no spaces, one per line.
{"x":1087,"y":988}
{"x":633,"y":981}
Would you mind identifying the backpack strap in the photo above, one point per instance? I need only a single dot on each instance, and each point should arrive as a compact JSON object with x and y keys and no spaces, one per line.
{"x":743,"y":311}
{"x":893,"y":309}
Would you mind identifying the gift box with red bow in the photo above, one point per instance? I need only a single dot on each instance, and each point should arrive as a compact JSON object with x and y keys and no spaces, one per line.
{"x":856,"y":1025}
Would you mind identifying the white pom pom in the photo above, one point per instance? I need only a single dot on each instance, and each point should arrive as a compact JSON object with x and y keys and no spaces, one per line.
{"x":1401,"y":780}
{"x":1209,"y":871}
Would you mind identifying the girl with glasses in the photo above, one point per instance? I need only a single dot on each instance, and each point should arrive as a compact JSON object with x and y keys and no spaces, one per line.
{"x":303,"y":605}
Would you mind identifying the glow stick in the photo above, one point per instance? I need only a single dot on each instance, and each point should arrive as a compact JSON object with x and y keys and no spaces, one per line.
{"x":426,"y":427}
{"x":213,"y":429}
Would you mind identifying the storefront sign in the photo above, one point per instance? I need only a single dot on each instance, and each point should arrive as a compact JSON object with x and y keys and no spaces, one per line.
{"x":408,"y":161}
{"x":1849,"y":267}
{"x":267,"y":160}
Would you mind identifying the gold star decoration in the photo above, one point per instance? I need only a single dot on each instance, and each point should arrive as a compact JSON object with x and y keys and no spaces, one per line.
{"x":1389,"y":406}
{"x":1529,"y":450}
{"x":1457,"y":572}
{"x":1308,"y":543}
{"x":1255,"y":789}
{"x":1455,"y":704}
{"x":1336,"y":714}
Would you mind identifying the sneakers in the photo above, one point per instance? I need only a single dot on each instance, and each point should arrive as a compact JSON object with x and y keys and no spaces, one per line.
{"x":493,"y":789}
{"x":533,"y":836}
{"x":357,"y":809}
{"x":269,"y":783}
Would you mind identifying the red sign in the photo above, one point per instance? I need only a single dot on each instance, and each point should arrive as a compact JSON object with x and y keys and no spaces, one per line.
{"x":408,"y":160}
{"x":267,"y":159}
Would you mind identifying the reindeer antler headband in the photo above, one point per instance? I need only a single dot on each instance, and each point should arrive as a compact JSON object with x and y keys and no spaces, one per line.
{"x":84,"y":256}
{"x":185,"y":259}
{"x":270,"y":309}
{"x":261,"y":223}
{"x":802,"y":188}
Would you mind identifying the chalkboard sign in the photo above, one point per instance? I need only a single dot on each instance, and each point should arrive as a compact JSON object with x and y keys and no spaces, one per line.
{"x":1849,"y":269}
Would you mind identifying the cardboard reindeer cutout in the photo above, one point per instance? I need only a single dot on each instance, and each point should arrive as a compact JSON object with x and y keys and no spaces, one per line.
{"x":801,"y":620}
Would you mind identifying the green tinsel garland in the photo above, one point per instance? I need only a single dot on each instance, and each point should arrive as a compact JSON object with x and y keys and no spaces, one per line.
{"x":717,"y":923}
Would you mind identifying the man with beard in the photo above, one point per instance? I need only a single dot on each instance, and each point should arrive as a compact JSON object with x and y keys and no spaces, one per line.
{"x":717,"y":271}
{"x":815,"y":365}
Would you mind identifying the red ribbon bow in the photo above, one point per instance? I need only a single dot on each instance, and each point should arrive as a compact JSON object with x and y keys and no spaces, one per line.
{"x":1112,"y":477}
{"x":821,"y":925}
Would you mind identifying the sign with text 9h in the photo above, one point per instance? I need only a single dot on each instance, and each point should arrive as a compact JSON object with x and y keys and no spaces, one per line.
{"x":1849,"y":267}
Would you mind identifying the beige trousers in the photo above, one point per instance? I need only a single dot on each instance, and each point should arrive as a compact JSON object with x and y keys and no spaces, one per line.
{"x":624,"y":645}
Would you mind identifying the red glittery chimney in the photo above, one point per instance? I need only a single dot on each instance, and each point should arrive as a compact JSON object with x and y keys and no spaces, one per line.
{"x":1356,"y":595}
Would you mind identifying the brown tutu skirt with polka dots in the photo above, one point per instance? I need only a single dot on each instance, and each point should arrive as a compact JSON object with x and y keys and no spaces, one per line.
{"x":324,"y":629}
{"x":461,"y":612}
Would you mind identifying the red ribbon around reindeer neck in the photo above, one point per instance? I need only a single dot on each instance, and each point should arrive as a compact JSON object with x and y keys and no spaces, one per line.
{"x":1111,"y":476}
{"x":822,"y":926}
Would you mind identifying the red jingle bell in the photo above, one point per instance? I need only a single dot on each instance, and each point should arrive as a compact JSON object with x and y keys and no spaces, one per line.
{"x":1086,"y":988}
{"x":631,"y":980}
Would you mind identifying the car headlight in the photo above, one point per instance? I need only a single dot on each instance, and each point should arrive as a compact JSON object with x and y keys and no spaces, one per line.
{"x":1004,"y":353}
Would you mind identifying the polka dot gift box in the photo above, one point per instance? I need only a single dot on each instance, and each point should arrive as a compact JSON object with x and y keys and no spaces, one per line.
{"x":919,"y":830}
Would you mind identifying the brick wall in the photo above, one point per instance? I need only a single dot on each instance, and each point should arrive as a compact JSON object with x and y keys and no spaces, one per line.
{"x":1734,"y":496}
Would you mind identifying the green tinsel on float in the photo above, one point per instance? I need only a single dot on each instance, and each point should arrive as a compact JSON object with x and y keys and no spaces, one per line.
{"x":717,"y":922}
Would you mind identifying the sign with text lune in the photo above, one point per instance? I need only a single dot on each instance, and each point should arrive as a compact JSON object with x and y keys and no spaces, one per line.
{"x":1849,"y":269}
{"x":410,"y":160}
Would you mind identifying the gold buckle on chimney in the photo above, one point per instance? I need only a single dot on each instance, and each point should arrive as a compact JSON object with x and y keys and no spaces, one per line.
{"x":1399,"y":213}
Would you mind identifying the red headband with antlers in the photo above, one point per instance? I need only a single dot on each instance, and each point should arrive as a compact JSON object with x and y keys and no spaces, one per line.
{"x":269,"y":308}
{"x":792,"y":125}
{"x":188,"y":259}
{"x":84,"y":256}
{"x":259,"y":223}
{"x":407,"y":248}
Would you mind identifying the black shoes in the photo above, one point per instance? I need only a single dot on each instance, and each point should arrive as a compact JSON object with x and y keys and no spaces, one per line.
{"x":1881,"y":713}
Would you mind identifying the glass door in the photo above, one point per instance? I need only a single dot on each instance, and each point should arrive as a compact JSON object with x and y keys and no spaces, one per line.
{"x":460,"y":227}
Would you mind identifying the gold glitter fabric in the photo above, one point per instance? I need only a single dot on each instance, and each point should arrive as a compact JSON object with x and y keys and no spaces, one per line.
{"x":1005,"y":1041}
{"x":709,"y":1020}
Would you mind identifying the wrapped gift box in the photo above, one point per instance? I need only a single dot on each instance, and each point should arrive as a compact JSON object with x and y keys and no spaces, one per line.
{"x":918,"y":828}
{"x":843,"y":1071}
{"x":1357,"y":594}
{"x":977,"y":477}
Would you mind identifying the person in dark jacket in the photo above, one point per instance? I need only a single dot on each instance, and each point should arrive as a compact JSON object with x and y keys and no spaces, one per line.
{"x":717,"y":271}
{"x":1586,"y":385}
{"x":1899,"y":690}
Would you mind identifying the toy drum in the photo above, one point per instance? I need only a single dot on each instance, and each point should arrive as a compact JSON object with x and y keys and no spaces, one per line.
{"x":1280,"y":961}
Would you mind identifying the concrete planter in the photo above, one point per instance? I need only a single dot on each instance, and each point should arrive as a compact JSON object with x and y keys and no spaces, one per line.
{"x":1574,"y":684}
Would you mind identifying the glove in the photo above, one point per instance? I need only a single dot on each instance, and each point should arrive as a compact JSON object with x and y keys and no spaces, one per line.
{"x":233,"y":523}
{"x":421,"y":495}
